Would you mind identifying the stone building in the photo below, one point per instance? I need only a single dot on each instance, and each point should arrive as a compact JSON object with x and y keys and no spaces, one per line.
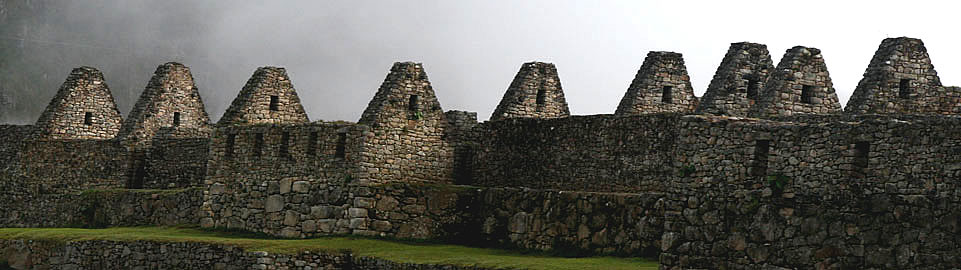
{"x":268,"y":97}
{"x":801,"y":84}
{"x":535,"y":93}
{"x":738,"y":81}
{"x":83,"y":108}
{"x":661,"y":85}
{"x":407,"y":130}
{"x":901,"y":79}
{"x":169,"y":102}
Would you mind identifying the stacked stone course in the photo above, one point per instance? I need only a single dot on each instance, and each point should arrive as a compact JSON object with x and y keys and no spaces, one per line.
{"x":662,"y":73}
{"x":268,"y":97}
{"x":83,"y":108}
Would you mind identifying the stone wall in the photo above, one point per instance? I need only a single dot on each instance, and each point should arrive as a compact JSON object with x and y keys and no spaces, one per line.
{"x":101,"y":208}
{"x":584,"y":153}
{"x":99,"y":254}
{"x":83,"y":108}
{"x":864,"y":193}
{"x":901,"y":80}
{"x":535,"y":92}
{"x":73,"y":164}
{"x":739,"y":79}
{"x":661,"y":85}
{"x":177,"y":159}
{"x":11,"y":139}
{"x":570,"y":223}
{"x":801,"y":84}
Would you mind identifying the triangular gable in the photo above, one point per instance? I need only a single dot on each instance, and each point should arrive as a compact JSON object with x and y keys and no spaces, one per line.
{"x":899,"y":79}
{"x":268,"y":97}
{"x":83,"y":108}
{"x":661,"y":85}
{"x":535,"y":92}
{"x":406,"y":94}
{"x":738,"y":81}
{"x":800,"y":84}
{"x":170,"y":99}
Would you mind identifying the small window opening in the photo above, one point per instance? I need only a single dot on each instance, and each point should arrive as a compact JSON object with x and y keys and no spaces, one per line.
{"x":312,"y":144}
{"x":807,"y":91}
{"x":861,"y":154}
{"x":761,"y":150}
{"x":341,"y":145}
{"x":541,"y":96}
{"x":666,"y":95}
{"x":412,"y":103}
{"x":274,"y":103}
{"x":752,"y":87}
{"x":231,"y":138}
{"x":285,"y":145}
{"x":904,"y":88}
{"x":176,"y":119}
{"x":258,"y":144}
{"x":88,"y":118}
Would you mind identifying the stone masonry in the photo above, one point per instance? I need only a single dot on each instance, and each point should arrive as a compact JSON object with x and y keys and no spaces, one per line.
{"x":661,"y":85}
{"x":800,"y":85}
{"x":738,"y":81}
{"x":535,"y":92}
{"x":901,"y":79}
{"x":800,"y":187}
{"x":83,"y":108}
{"x":268,"y":97}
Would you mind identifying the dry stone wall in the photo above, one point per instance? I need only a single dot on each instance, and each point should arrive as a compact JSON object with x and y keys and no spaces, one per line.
{"x":901,"y":80}
{"x":536,"y":92}
{"x":570,"y":223}
{"x":71,"y":165}
{"x":604,"y":153}
{"x":738,"y":81}
{"x":83,"y":108}
{"x":801,"y":84}
{"x":99,"y":254}
{"x":11,"y":139}
{"x":661,"y":85}
{"x":177,"y":158}
{"x":99,"y":208}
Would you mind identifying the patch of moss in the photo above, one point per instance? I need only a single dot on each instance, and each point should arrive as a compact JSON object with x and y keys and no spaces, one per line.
{"x":404,"y":252}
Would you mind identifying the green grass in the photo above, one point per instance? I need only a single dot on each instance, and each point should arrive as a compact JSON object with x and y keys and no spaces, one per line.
{"x":391,"y":250}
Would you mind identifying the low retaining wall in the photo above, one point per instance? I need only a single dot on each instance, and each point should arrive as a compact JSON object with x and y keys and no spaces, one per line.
{"x":27,"y":254}
{"x":102,"y":208}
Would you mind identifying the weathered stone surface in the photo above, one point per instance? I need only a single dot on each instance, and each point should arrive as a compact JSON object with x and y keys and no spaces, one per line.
{"x":536,"y":92}
{"x":661,"y":85}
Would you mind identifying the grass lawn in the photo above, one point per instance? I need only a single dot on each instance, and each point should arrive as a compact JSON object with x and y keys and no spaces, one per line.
{"x":397,"y":251}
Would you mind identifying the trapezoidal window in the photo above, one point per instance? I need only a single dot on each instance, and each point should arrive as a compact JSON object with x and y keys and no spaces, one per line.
{"x":541,"y":96}
{"x":285,"y":145}
{"x":752,"y":88}
{"x":274,"y":103}
{"x":312,"y":144}
{"x":88,"y":118}
{"x":258,"y":144}
{"x":904,"y":88}
{"x":807,"y":91}
{"x":176,"y":119}
{"x":862,"y":152}
{"x":762,"y":149}
{"x":341,"y":145}
{"x":666,"y":95}
{"x":412,"y":103}
{"x":229,"y":151}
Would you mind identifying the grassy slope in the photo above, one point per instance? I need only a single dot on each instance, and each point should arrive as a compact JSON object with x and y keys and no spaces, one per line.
{"x":390,"y":250}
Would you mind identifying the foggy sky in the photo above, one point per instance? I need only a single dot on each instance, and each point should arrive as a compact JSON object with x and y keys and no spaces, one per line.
{"x":338,"y":53}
